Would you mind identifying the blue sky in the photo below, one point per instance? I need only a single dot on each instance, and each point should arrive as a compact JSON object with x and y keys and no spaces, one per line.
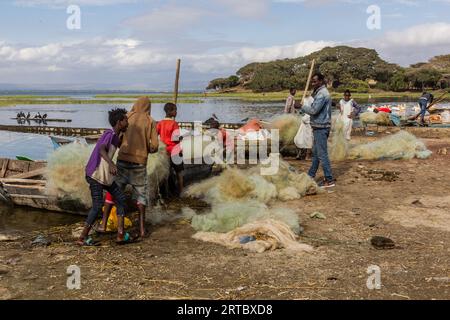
{"x":133,"y":44}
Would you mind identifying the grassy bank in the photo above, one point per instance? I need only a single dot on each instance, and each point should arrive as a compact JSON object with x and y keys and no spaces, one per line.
{"x":250,"y":96}
{"x":38,"y":100}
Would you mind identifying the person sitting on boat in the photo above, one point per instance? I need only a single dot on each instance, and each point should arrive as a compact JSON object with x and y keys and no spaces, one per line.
{"x":222,"y":136}
{"x":349,"y":110}
{"x":100,"y":172}
{"x":19,"y":115}
{"x":44,"y":116}
{"x":425,"y":100}
{"x":382,"y":109}
{"x":28,"y":115}
{"x":290,"y":102}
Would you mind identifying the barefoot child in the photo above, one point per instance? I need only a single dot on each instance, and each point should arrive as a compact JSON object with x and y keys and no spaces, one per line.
{"x":169,"y":133}
{"x":100,"y":172}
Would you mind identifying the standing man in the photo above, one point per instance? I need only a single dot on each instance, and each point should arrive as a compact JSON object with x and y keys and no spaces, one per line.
{"x":424,"y":101}
{"x":320,"y":112}
{"x":139,"y":140}
{"x":290,"y":102}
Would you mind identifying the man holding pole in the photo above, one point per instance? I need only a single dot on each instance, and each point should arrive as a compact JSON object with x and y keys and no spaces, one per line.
{"x":320,"y":112}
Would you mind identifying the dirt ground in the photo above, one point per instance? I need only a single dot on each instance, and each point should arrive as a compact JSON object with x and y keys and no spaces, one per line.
{"x":406,"y":201}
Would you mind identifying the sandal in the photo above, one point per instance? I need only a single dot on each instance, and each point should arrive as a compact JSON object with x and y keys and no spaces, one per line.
{"x":127,"y":239}
{"x":89,"y":242}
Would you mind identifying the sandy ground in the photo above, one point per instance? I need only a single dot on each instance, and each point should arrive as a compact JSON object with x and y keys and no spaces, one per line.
{"x":407,"y":201}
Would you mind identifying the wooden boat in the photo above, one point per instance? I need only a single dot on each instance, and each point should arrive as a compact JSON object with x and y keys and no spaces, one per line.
{"x":22,"y":183}
{"x":59,"y":142}
{"x":42,"y":120}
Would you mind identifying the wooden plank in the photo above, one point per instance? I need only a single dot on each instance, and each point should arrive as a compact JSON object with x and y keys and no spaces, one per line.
{"x":17,"y":165}
{"x":4,"y":168}
{"x":27,"y":187}
{"x":25,"y":196}
{"x":25,"y":181}
{"x":29,"y":174}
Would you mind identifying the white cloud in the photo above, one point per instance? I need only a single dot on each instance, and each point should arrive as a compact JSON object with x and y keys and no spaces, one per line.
{"x":65,"y":3}
{"x":166,"y":20}
{"x":246,"y":8}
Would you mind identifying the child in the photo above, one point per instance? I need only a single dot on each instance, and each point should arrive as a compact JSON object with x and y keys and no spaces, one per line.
{"x":349,"y":110}
{"x":290,"y":102}
{"x":169,"y":133}
{"x":100,"y":172}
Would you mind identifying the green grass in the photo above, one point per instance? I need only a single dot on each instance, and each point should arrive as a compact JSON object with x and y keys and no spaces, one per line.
{"x":196,"y":98}
{"x":34,"y":100}
{"x":269,"y":96}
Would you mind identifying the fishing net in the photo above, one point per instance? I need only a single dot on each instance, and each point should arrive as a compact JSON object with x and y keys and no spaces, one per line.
{"x":288,"y":125}
{"x":228,"y":216}
{"x":338,"y":148}
{"x":158,"y":165}
{"x":65,"y":173}
{"x":237,"y":184}
{"x":402,"y":145}
{"x":269,"y":234}
{"x":380,"y":118}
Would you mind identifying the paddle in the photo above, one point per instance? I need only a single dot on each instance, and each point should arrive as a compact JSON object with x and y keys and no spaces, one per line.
{"x":308,"y":82}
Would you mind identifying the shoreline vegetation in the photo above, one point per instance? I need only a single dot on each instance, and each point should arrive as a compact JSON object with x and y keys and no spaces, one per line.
{"x":198,"y":98}
{"x":10,"y":101}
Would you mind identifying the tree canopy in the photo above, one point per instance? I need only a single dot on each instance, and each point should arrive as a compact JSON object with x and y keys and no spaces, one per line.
{"x":344,"y":67}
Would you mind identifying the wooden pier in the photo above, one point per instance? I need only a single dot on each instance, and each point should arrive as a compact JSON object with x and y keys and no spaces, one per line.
{"x":82,"y":132}
{"x":57,"y":131}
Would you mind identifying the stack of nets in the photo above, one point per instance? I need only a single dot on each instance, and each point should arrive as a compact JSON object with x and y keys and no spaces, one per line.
{"x":338,"y":148}
{"x":402,"y":145}
{"x":236,"y":184}
{"x":65,"y":172}
{"x":380,"y":118}
{"x":239,"y":199}
{"x":269,"y":234}
{"x":288,"y":125}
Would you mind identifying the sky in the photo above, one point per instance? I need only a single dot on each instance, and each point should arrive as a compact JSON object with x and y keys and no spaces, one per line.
{"x":134,"y":44}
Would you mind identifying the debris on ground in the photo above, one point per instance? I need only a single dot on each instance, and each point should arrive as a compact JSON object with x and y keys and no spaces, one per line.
{"x":382,"y":243}
{"x":318,"y":215}
{"x":40,"y":240}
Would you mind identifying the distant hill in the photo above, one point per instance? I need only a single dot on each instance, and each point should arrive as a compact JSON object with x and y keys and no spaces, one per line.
{"x":358,"y":69}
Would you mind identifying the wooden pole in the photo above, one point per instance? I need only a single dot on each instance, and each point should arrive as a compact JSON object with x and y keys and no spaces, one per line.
{"x":308,"y":82}
{"x":177,"y":79}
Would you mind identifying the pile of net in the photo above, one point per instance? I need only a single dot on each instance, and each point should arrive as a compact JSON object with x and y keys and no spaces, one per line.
{"x":402,"y":145}
{"x":380,"y":118}
{"x":235,"y":184}
{"x":239,"y":206}
{"x":288,"y":125}
{"x":224,"y":217}
{"x":338,"y":147}
{"x":65,"y":172}
{"x":268,"y":234}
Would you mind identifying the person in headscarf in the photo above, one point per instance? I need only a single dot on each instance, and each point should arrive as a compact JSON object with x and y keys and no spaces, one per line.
{"x":139,"y":140}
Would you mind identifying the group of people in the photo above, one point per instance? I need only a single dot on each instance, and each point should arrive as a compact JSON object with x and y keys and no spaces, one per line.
{"x":22,"y":116}
{"x":135,"y":135}
{"x":316,"y":125}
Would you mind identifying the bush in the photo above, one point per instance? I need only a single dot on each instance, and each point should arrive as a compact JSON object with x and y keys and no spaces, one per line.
{"x":357,"y":86}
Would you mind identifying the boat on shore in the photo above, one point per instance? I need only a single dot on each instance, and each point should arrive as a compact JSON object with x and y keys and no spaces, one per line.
{"x":23,"y":183}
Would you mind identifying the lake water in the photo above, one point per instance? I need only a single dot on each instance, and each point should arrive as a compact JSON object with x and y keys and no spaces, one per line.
{"x":95,"y":116}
